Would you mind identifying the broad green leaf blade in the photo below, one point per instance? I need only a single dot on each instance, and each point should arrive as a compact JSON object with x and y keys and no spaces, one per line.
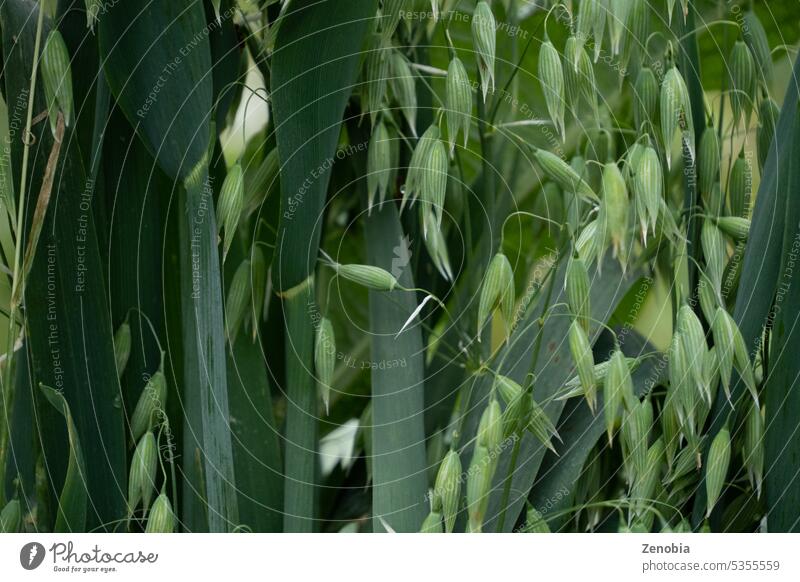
{"x":300,"y":495}
{"x":69,"y":331}
{"x":256,"y":442}
{"x":398,"y":432}
{"x":207,"y":431}
{"x":22,"y":449}
{"x":157,"y":60}
{"x":310,"y":88}
{"x":782,"y":387}
{"x":74,"y":496}
{"x":137,"y":195}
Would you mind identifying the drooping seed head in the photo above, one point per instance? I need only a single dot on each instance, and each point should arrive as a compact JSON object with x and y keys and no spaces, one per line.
{"x":379,"y":164}
{"x":635,"y":432}
{"x":142,"y":477}
{"x":238,"y":300}
{"x":714,"y":251}
{"x":757,"y":42}
{"x":418,"y":164}
{"x":435,"y":242}
{"x":735,"y":227}
{"x":479,"y":484}
{"x":615,"y":204}
{"x":391,"y":13}
{"x":376,"y":75}
{"x":753,"y":445}
{"x":497,"y":290}
{"x":645,"y":98}
{"x":403,"y":88}
{"x":576,"y":282}
{"x":122,"y":346}
{"x":434,"y":180}
{"x":551,"y":77}
{"x":432,"y":523}
{"x":458,"y":101}
{"x":648,"y":189}
{"x":719,"y":456}
{"x":768,"y":114}
{"x":708,"y":159}
{"x":617,"y":384}
{"x":230,"y":204}
{"x":162,"y":517}
{"x":563,"y":174}
{"x":507,"y":388}
{"x":743,"y":77}
{"x":541,"y":426}
{"x":483,"y":40}
{"x":325,"y":358}
{"x":57,"y":78}
{"x":582,"y":355}
{"x":367,"y":276}
{"x":447,"y":488}
{"x":93,"y":8}
{"x":676,"y":112}
{"x":151,"y":405}
{"x":490,"y":428}
{"x":740,"y":185}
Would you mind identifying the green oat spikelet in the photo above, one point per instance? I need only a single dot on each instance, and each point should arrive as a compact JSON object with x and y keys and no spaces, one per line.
{"x":615,"y":205}
{"x":367,"y":276}
{"x":142,"y":477}
{"x":122,"y":346}
{"x":645,"y":98}
{"x":434,"y":180}
{"x":162,"y":517}
{"x":743,"y":86}
{"x":497,"y":290}
{"x":418,"y":164}
{"x":768,"y":114}
{"x":551,"y":77}
{"x":447,"y":488}
{"x":432,"y":523}
{"x":459,"y":102}
{"x":757,"y":42}
{"x":648,"y":189}
{"x":719,"y":456}
{"x":576,"y":283}
{"x":325,"y":359}
{"x":57,"y":79}
{"x":403,"y":88}
{"x":735,"y":227}
{"x":676,"y":112}
{"x":740,"y":185}
{"x":230,"y":204}
{"x":708,"y":159}
{"x":379,"y":164}
{"x":582,"y":355}
{"x":563,"y":174}
{"x":238,"y":300}
{"x":484,"y":42}
{"x":151,"y":404}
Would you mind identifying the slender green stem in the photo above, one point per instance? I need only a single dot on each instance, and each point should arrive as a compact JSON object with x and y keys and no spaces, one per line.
{"x":15,"y":281}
